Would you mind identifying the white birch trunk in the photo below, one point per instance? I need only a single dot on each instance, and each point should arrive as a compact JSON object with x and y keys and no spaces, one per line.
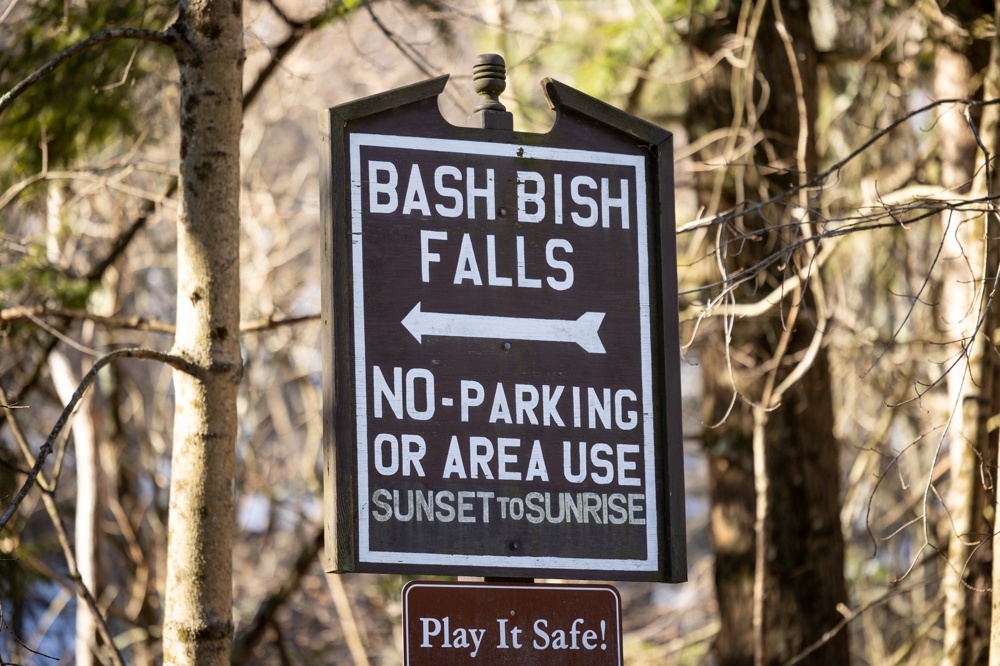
{"x":989,"y":126}
{"x":88,"y":483}
{"x":960,"y":314}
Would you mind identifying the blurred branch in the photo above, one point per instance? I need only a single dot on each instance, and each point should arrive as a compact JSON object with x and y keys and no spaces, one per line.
{"x":74,"y":575}
{"x":352,"y":632}
{"x":47,"y":487}
{"x":125,"y":238}
{"x":269,"y":323}
{"x":248,"y":638}
{"x":95,"y":274}
{"x":175,"y":362}
{"x":4,"y":625}
{"x":48,"y":499}
{"x":136,"y":322}
{"x":850,"y":615}
{"x":167,"y":38}
{"x":405,"y":49}
{"x":299,"y":30}
{"x":819,"y":180}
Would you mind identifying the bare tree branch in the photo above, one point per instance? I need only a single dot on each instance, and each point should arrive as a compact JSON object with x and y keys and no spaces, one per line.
{"x":254,"y":632}
{"x":48,"y":499}
{"x":819,"y":179}
{"x":299,"y":30}
{"x":175,"y":362}
{"x":4,"y":625}
{"x":167,"y":38}
{"x":74,"y":575}
{"x":135,"y":323}
{"x":126,"y":237}
{"x":408,"y":53}
{"x":269,"y":323}
{"x":851,"y":615}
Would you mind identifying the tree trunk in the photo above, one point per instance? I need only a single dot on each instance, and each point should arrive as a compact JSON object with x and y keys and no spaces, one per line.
{"x":800,"y":579}
{"x":803,"y":578}
{"x":198,"y":626}
{"x":990,"y":132}
{"x":65,"y":379}
{"x":969,"y":385}
{"x":804,"y":582}
{"x":730,"y":466}
{"x":88,"y":501}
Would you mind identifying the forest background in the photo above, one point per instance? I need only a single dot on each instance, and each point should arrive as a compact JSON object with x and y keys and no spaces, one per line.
{"x":836,"y":206}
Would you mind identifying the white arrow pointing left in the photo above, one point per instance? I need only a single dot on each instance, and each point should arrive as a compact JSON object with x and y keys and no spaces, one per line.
{"x":583,"y":331}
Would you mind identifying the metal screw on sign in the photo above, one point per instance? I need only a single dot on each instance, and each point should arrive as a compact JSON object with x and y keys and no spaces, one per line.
{"x":489,"y":79}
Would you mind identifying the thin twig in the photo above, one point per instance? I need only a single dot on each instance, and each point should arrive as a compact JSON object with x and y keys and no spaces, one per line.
{"x":4,"y":625}
{"x":136,"y":323}
{"x":391,"y":36}
{"x":299,"y":30}
{"x":352,"y":632}
{"x":746,"y":208}
{"x":270,"y":323}
{"x":850,"y":616}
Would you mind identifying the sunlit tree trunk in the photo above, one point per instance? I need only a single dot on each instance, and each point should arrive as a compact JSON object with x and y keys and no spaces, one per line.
{"x":970,"y":260}
{"x":65,"y":379}
{"x":88,"y":504}
{"x":198,"y":626}
{"x":969,"y":381}
{"x":990,"y":131}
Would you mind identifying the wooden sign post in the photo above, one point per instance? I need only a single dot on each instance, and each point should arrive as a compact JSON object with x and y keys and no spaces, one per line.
{"x":500,"y":341}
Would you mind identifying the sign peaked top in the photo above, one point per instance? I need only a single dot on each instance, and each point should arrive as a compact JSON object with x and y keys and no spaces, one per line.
{"x":489,"y":72}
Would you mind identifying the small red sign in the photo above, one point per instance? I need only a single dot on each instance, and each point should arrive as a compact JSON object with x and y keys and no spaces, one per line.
{"x":497,"y":624}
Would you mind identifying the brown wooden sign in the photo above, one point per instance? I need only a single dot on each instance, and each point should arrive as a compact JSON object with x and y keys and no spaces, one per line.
{"x":504,"y":624}
{"x":501,"y":358}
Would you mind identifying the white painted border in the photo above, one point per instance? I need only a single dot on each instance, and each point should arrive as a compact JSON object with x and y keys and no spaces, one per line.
{"x":512,"y":150}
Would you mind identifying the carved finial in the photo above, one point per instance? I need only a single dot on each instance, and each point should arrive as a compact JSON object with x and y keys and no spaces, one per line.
{"x":489,"y":79}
